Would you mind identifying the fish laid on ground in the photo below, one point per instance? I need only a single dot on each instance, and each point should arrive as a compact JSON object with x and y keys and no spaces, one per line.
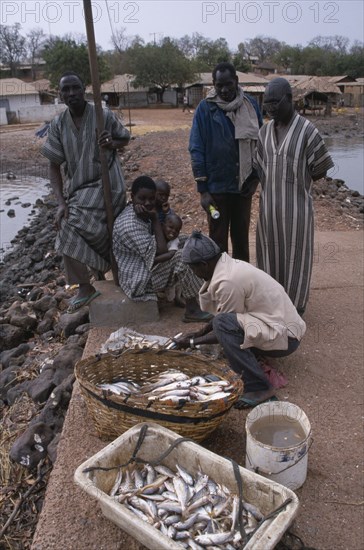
{"x":194,"y":510}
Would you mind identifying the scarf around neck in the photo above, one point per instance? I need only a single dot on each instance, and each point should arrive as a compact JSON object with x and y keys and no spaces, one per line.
{"x":244,"y":117}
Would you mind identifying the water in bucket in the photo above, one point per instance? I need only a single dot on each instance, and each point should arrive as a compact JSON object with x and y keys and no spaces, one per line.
{"x":282,"y":432}
{"x":277,"y":442}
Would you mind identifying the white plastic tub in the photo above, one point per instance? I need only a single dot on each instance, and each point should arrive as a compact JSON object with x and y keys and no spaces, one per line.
{"x":287,"y":465}
{"x":257,"y":490}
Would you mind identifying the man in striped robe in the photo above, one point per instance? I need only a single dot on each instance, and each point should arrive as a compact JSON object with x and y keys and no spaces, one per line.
{"x":72,"y":142}
{"x":290,"y":156}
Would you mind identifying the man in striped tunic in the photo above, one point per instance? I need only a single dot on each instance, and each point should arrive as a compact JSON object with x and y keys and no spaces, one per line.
{"x":81,"y":217}
{"x":290,"y":156}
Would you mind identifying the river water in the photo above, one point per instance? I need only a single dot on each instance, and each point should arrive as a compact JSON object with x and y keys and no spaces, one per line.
{"x":348,"y":156}
{"x":20,"y":195}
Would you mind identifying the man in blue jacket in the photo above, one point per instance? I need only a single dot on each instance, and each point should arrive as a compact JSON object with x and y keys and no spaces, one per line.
{"x":222,"y":146}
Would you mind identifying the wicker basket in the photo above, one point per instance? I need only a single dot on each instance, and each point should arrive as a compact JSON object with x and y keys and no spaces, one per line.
{"x":114,"y":414}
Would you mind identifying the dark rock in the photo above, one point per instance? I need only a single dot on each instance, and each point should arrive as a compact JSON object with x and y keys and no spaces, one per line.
{"x":27,"y":322}
{"x":65,"y":361}
{"x":39,"y":266}
{"x":34,"y":294}
{"x":83,"y":328}
{"x":52,"y":313}
{"x":68,"y":322}
{"x":8,"y":379}
{"x":30,"y":239}
{"x":45,"y":326}
{"x":31,"y":447}
{"x":11,"y":336}
{"x":46,"y":336}
{"x":37,"y":255}
{"x":41,"y":388}
{"x":26,"y":205}
{"x":5,"y":356}
{"x":17,"y":391}
{"x":45,"y":303}
{"x":11,"y":213}
{"x":355,"y":193}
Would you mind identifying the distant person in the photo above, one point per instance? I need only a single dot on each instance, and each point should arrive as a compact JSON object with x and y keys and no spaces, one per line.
{"x":222,"y":144}
{"x":145,"y":265}
{"x":252,"y":315}
{"x":290,"y":156}
{"x":81,"y":217}
{"x":185,"y":106}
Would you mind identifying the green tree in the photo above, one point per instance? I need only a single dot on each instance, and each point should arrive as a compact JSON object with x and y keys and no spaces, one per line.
{"x":240,"y":59}
{"x":65,"y":54}
{"x":204,"y":52}
{"x":35,"y":39}
{"x":263,"y":47}
{"x":12,"y":47}
{"x":289,"y":57}
{"x":159,"y":66}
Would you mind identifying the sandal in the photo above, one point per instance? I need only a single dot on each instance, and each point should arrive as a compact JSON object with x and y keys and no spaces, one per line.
{"x":245,"y":403}
{"x":75,"y":305}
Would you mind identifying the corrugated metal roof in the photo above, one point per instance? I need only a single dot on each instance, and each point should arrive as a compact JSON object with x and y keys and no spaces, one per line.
{"x":15,"y":86}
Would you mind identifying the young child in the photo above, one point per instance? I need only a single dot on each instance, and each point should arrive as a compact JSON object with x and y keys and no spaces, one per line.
{"x":162,"y":198}
{"x":172,"y":226}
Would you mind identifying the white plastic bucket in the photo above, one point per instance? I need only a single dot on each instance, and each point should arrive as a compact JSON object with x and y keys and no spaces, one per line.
{"x":287,"y":465}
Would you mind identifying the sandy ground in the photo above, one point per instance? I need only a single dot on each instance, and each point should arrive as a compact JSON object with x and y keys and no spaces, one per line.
{"x":323,"y":375}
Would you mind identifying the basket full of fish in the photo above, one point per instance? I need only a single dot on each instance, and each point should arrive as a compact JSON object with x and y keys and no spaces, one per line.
{"x":187,"y":393}
{"x":171,"y":493}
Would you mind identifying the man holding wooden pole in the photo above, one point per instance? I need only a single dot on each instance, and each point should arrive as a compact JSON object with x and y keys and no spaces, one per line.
{"x":83,"y":211}
{"x":95,"y":183}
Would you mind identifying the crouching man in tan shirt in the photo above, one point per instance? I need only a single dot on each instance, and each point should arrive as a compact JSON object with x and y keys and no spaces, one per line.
{"x":253,"y":315}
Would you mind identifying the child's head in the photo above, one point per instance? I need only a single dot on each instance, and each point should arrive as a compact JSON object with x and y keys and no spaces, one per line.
{"x":172,"y":226}
{"x":163,"y":192}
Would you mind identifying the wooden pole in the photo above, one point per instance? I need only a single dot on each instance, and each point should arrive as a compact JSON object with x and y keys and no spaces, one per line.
{"x":105,"y":176}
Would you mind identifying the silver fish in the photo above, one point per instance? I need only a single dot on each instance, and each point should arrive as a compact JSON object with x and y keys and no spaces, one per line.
{"x":143,"y":505}
{"x":214,"y":538}
{"x":151,"y":488}
{"x":164,"y":470}
{"x":170,"y":506}
{"x":182,"y":491}
{"x":174,"y":519}
{"x":139,"y":513}
{"x":185,"y":475}
{"x":253,"y":510}
{"x":183,"y":385}
{"x":116,"y":485}
{"x":180,"y":535}
{"x":128,"y":484}
{"x":138,"y":479}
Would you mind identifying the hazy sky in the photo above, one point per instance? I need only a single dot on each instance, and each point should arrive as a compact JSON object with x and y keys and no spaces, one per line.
{"x":292,"y":22}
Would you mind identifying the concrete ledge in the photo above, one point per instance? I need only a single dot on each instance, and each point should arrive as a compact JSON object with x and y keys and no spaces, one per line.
{"x":114,"y":309}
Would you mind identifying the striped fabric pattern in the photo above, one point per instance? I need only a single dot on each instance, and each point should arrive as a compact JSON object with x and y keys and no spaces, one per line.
{"x":285,"y":229}
{"x":84,"y":236}
{"x":135,"y":248}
